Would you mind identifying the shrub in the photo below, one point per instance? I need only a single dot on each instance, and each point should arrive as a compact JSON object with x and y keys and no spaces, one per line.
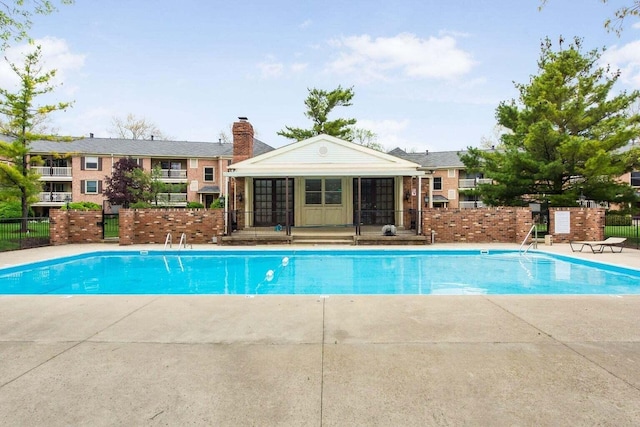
{"x":140,"y":205}
{"x":82,"y":206}
{"x":10,"y":210}
{"x":218,"y":203}
{"x":195,"y":205}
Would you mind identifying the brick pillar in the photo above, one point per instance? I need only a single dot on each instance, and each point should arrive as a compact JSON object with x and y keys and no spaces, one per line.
{"x":524,"y":222}
{"x":242,"y":140}
{"x":58,"y":227}
{"x":126,"y":225}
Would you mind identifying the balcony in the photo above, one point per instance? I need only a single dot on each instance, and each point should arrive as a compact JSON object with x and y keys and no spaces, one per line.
{"x":173,"y":175}
{"x":472,"y":182}
{"x":172,"y":199}
{"x":55,"y":198}
{"x":470,"y":204}
{"x":53,"y":173}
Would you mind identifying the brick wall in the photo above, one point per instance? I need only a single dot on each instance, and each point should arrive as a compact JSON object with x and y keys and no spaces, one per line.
{"x":507,"y":225}
{"x":584,"y":224}
{"x":491,"y":225}
{"x":139,"y":226}
{"x":75,"y":226}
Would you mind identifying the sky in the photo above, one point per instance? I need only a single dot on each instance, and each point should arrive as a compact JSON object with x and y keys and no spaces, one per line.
{"x":427,"y":75}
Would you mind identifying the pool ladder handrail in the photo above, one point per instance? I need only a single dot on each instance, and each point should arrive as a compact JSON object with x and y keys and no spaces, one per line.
{"x":183,"y":242}
{"x":534,"y":243}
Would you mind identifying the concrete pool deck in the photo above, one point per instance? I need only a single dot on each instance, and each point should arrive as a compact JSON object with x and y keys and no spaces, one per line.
{"x":309,"y":360}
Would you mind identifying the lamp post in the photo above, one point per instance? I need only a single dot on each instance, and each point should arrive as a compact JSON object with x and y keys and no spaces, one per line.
{"x":67,"y":199}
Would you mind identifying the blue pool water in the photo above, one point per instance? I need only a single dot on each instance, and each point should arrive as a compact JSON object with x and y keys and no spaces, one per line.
{"x":318,"y":272}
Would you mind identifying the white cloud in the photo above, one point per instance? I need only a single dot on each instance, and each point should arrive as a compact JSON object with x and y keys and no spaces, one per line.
{"x":389,"y":132}
{"x":56,"y":55}
{"x":627,"y":59}
{"x":305,"y":24}
{"x":270,"y":69}
{"x":381,"y":58}
{"x":299,"y":67}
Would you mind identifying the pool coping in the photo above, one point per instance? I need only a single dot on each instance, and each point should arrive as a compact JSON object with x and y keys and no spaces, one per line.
{"x":308,"y":360}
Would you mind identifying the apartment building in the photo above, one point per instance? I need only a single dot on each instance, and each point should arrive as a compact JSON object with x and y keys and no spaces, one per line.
{"x":450,"y":179}
{"x":76,"y":170}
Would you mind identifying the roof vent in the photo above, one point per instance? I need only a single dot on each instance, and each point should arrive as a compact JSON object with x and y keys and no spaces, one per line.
{"x":152,"y":137}
{"x":243,"y":119}
{"x":91,"y":135}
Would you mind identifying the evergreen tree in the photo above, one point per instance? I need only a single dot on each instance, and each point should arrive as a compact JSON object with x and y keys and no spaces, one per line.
{"x":319,"y":104}
{"x":566,"y":135}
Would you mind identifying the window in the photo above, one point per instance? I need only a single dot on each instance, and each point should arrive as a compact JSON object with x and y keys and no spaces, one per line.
{"x":333,"y":191}
{"x":451,"y":173}
{"x":193,"y":163}
{"x":635,"y":179}
{"x":437,"y":183}
{"x":452,"y":194}
{"x":209,"y":174}
{"x":91,"y":187}
{"x":91,"y":163}
{"x":323,"y":191}
{"x":313,"y":191}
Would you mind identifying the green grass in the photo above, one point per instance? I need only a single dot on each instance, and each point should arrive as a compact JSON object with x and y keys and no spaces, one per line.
{"x":11,"y":237}
{"x":111,"y":228}
{"x":631,"y":232}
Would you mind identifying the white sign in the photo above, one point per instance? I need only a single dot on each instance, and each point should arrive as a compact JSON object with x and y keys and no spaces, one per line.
{"x":562,"y":223}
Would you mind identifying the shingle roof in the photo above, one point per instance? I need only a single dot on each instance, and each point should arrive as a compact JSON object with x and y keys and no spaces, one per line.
{"x":436,"y":159}
{"x":144,"y":147}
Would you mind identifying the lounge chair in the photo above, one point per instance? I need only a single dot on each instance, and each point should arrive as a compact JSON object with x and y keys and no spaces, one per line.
{"x":597,"y":247}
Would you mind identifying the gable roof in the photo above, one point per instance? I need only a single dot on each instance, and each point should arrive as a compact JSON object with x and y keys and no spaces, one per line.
{"x":324,"y":155}
{"x":143,"y":148}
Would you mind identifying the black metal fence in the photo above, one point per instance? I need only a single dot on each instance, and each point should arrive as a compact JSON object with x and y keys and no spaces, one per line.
{"x":21,"y":233}
{"x":270,"y":221}
{"x":623,"y":226}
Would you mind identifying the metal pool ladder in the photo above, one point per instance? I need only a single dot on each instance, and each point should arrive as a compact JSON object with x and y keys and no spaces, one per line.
{"x":534,"y":243}
{"x":183,"y":241}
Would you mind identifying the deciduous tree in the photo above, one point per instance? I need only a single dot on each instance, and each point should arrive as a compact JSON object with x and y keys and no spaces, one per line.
{"x":132,"y":127}
{"x":17,"y":179}
{"x":124,"y":186}
{"x":16,"y":16}
{"x":616,"y":22}
{"x":567,"y":134}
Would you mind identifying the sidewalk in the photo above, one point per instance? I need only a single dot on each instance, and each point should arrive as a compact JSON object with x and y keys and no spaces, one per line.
{"x":334,"y":361}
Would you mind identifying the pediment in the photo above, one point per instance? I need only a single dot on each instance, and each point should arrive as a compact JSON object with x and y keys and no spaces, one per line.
{"x":323,"y":153}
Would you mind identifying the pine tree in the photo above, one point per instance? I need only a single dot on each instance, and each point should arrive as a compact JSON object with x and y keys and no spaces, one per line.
{"x":567,"y":135}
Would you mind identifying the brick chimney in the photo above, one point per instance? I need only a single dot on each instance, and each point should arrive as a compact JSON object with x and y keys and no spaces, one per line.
{"x":242,"y":140}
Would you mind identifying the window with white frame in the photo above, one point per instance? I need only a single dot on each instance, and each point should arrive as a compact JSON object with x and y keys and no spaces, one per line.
{"x":209,"y":174}
{"x":452,"y":194}
{"x":91,"y":187}
{"x":193,"y":163}
{"x":91,"y":163}
{"x":451,"y":173}
{"x":437,"y":183}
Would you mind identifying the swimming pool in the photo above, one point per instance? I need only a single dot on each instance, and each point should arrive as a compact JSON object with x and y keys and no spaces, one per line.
{"x":320,"y":272}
